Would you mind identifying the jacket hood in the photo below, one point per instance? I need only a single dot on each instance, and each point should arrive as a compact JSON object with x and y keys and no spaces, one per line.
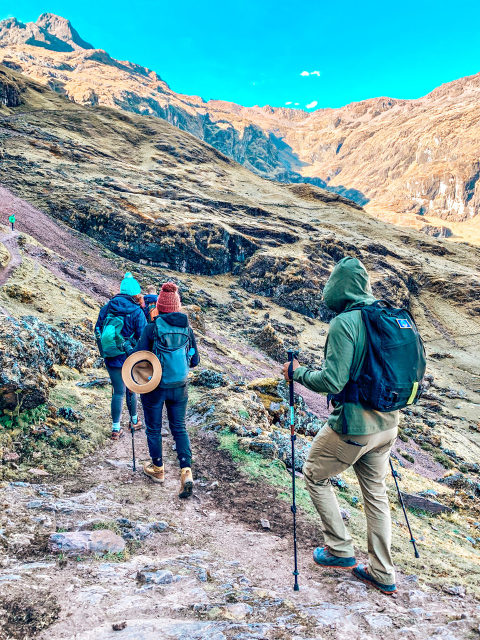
{"x":348,"y":284}
{"x":123,"y":304}
{"x":176,"y":319}
{"x":150,"y":298}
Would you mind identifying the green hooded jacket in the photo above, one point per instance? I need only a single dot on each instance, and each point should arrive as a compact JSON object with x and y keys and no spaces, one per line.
{"x":345,"y":349}
{"x":12,"y":218}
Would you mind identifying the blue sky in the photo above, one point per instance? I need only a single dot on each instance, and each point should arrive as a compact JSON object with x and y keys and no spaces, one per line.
{"x":254,"y":51}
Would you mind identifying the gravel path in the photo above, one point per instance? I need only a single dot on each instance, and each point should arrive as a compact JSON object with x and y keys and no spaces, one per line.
{"x":9,"y":241}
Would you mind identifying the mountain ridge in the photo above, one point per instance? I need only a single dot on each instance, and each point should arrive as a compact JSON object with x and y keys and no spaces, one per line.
{"x":413,"y":159}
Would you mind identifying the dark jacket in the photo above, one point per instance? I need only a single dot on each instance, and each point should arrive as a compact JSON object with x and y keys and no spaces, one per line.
{"x":134,"y":323}
{"x":175,"y":320}
{"x":345,"y":349}
{"x":150,"y":298}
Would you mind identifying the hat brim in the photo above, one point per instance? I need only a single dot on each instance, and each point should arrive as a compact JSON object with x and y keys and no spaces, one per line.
{"x":127,"y":372}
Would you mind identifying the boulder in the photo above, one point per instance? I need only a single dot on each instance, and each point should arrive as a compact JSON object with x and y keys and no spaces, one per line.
{"x":268,"y":340}
{"x":161,"y":576}
{"x":425,"y":504}
{"x":28,"y":350}
{"x":209,"y":378}
{"x":100,"y":541}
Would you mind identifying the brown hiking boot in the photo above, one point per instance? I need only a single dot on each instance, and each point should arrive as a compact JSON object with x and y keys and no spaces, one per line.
{"x":186,"y":483}
{"x":157,"y":474}
{"x":137,"y":426}
{"x":117,"y":434}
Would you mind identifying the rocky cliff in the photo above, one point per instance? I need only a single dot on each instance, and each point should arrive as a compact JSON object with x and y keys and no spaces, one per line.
{"x":416,"y":158}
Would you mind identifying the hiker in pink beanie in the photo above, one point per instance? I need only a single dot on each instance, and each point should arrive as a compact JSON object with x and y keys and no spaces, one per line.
{"x":171,"y":339}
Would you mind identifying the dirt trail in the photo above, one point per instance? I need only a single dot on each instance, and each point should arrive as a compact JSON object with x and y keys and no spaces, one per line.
{"x":9,"y":241}
{"x":68,"y":245}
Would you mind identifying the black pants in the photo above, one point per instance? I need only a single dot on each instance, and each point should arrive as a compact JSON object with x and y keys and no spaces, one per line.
{"x":176,"y":403}
{"x":120,"y":390}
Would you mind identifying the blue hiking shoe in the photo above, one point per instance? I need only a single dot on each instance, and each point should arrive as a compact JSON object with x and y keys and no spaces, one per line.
{"x":324,"y":558}
{"x":361,"y":572}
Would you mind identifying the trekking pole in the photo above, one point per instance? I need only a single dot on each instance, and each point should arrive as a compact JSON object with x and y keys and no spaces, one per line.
{"x":132,"y":429}
{"x":412,"y":539}
{"x":291,"y":356}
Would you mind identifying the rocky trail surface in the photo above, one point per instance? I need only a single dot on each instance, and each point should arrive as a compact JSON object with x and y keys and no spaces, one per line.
{"x":12,"y":256}
{"x":195,"y":569}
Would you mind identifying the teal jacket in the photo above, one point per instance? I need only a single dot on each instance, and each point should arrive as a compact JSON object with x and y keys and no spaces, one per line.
{"x":345,"y":349}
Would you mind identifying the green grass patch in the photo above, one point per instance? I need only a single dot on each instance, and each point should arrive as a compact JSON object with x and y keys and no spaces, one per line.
{"x":443,"y":460}
{"x":108,"y":524}
{"x":273,"y":471}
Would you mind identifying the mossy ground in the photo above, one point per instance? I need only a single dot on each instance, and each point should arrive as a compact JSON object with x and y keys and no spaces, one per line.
{"x":446,"y":555}
{"x":56,"y":445}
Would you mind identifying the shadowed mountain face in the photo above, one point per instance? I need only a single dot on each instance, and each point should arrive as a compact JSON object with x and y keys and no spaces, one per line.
{"x":161,"y":197}
{"x":415,"y":158}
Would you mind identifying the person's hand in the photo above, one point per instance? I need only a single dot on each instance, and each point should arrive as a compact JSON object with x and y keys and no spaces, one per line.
{"x":295,"y":365}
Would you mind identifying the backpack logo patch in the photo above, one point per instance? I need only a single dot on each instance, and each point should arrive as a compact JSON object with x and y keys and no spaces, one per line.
{"x":403,"y":323}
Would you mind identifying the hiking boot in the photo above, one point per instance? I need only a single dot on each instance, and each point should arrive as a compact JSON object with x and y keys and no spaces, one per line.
{"x":361,"y":572}
{"x":186,"y":483}
{"x":117,"y":434}
{"x":157,"y":474}
{"x":137,"y":426}
{"x":324,"y":558}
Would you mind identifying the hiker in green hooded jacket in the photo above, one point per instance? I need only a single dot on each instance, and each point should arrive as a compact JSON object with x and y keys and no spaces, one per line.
{"x":11,"y":219}
{"x":371,"y":435}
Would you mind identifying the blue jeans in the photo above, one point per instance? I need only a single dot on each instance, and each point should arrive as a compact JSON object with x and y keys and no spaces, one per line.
{"x":119,"y":390}
{"x":176,"y":402}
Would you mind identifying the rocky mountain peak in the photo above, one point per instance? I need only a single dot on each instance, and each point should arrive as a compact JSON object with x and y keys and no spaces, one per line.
{"x":62,"y":29}
{"x":49,"y":32}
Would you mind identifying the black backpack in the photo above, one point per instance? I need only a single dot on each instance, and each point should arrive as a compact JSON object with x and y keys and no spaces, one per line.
{"x":392,"y":372}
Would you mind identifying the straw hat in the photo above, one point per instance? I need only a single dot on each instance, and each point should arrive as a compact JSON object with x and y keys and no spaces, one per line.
{"x":142,"y":372}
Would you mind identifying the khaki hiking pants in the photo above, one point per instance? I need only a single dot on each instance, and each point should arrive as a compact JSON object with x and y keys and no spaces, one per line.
{"x":331,"y":454}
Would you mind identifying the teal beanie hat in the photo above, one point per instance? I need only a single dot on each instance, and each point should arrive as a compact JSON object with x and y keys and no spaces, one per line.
{"x":129,"y":285}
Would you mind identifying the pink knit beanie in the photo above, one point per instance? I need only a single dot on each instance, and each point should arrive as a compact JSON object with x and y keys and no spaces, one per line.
{"x":169,"y":299}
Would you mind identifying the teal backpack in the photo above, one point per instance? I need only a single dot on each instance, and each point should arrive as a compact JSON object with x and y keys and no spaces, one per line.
{"x":171,"y":345}
{"x":110,"y":339}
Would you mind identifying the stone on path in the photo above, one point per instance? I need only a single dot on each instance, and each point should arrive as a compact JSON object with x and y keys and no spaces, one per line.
{"x":155,"y":577}
{"x":99,"y":541}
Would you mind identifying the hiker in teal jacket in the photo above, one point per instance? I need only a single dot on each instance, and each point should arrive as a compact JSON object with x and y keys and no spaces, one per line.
{"x":367,"y":446}
{"x":11,"y":219}
{"x":128,"y":305}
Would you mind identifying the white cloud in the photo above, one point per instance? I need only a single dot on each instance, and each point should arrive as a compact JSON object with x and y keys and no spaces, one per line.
{"x":288,"y":102}
{"x":311,"y":105}
{"x":296,"y":104}
{"x":310,"y":73}
{"x":305,"y":73}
